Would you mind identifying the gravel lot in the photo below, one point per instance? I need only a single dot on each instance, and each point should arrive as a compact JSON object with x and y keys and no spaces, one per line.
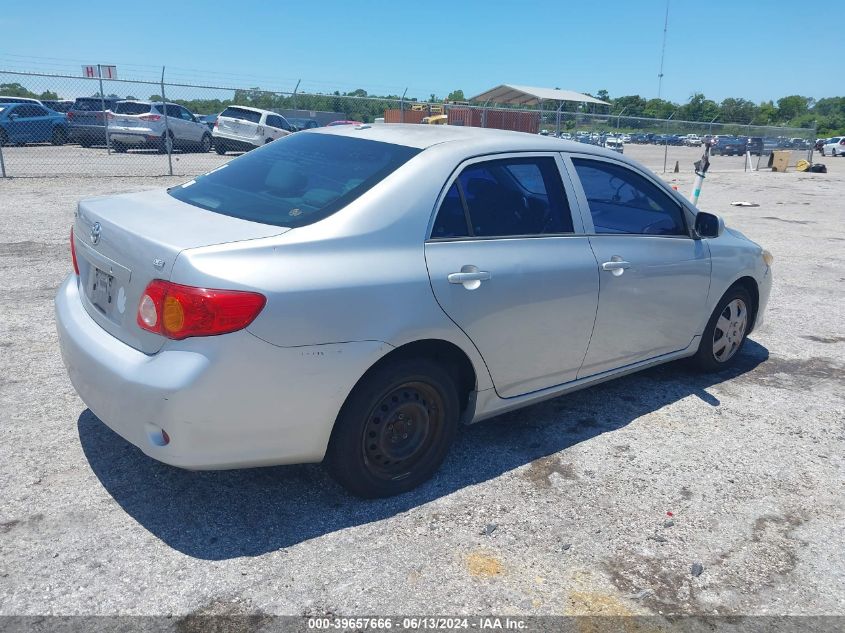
{"x":562,"y":508}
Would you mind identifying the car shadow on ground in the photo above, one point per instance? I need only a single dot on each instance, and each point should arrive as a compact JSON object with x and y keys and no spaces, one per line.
{"x":226,"y":514}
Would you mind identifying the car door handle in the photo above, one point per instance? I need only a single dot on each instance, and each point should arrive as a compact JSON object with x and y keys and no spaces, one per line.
{"x":465,"y":277}
{"x":616,"y":265}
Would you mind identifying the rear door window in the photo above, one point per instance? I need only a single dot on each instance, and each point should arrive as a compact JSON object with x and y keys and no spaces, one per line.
{"x":503,"y":198}
{"x":296,"y":180}
{"x":241,"y":113}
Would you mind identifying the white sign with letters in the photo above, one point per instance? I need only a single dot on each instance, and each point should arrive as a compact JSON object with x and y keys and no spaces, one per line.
{"x":93,"y":71}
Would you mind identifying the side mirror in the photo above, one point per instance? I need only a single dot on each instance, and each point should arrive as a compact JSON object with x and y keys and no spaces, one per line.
{"x":708,"y":225}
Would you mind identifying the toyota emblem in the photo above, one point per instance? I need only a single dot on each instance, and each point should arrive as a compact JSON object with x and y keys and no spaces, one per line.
{"x":95,"y":233}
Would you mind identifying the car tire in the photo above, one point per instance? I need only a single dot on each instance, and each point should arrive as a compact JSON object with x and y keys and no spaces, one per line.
{"x":220,"y":148}
{"x":394,"y":429}
{"x":162,"y":143}
{"x":85,"y":142}
{"x":4,"y":138}
{"x":726,"y":331}
{"x":119,"y":147}
{"x":205,"y":144}
{"x":59,"y":136}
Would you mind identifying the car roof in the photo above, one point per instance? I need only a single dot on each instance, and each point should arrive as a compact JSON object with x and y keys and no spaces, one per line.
{"x":474,"y":138}
{"x":19,"y":99}
{"x":243,"y":107}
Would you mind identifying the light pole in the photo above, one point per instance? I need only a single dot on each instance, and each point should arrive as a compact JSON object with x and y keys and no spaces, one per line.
{"x":619,"y":116}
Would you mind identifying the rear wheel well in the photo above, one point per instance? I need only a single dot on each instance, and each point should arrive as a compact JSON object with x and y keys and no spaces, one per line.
{"x":448,"y":355}
{"x":750,"y":285}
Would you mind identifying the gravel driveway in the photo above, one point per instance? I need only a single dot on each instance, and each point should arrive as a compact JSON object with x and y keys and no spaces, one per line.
{"x":600,"y":502}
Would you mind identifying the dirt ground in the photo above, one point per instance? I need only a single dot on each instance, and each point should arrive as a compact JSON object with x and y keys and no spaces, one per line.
{"x":600,"y":502}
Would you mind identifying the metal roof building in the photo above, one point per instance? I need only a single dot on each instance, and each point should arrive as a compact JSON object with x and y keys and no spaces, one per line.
{"x":510,"y":94}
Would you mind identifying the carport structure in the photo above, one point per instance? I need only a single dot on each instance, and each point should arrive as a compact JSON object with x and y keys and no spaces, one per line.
{"x":512,"y":95}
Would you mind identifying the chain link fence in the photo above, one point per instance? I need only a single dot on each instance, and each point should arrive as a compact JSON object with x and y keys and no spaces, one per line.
{"x":116,"y":127}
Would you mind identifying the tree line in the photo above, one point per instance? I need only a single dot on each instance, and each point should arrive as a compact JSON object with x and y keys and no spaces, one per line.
{"x":828,"y":114}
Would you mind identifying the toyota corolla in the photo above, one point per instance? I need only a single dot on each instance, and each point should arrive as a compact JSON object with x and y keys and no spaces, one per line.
{"x":351,"y":294}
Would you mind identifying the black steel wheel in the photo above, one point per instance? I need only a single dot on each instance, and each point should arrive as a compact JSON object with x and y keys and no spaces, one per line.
{"x":395,"y":428}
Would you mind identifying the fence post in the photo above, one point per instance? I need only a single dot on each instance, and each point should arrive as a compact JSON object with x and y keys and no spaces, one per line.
{"x":2,"y":164}
{"x":298,"y":81}
{"x":402,"y":107}
{"x":666,"y":142}
{"x":103,"y":105}
{"x":168,"y":145}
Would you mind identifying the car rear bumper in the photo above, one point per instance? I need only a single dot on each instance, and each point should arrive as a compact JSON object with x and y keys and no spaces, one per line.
{"x":228,"y":401}
{"x":234,"y":143}
{"x":134,"y":138}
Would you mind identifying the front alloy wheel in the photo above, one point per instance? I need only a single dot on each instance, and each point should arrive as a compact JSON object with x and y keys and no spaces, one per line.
{"x":730,"y":330}
{"x":726,"y":331}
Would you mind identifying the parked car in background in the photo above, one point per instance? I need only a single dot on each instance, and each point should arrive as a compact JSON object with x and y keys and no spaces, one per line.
{"x":58,"y":105}
{"x":615,"y":143}
{"x":208,"y":119}
{"x":142,"y":124}
{"x":303,"y":124}
{"x":800,"y":143}
{"x":22,"y":123}
{"x":8,"y":99}
{"x":241,"y":128}
{"x":819,"y":144}
{"x":759,"y":145}
{"x":728,"y":146}
{"x":834,"y":146}
{"x":87,"y":120}
{"x":267,"y":335}
{"x":692,"y":140}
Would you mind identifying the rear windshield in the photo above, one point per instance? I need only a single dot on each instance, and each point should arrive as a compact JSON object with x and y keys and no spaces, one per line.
{"x":296,"y":180}
{"x":128,"y":107}
{"x":91,"y":105}
{"x":240,"y":113}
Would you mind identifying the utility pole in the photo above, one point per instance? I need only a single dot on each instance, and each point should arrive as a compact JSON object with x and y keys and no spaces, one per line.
{"x":663,"y":52}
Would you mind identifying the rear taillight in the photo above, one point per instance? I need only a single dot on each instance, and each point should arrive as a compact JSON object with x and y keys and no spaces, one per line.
{"x":178,"y":311}
{"x":73,"y":253}
{"x":70,"y":115}
{"x":150,"y":117}
{"x":216,"y":123}
{"x":842,"y":142}
{"x":109,"y":115}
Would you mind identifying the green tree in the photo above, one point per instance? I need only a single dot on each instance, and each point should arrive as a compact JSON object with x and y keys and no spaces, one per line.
{"x":793,"y":106}
{"x":16,"y":90}
{"x":456,"y":95}
{"x":736,"y":110}
{"x":603,"y":94}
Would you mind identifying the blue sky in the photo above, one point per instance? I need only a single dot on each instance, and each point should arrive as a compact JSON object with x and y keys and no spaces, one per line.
{"x":755,"y":49}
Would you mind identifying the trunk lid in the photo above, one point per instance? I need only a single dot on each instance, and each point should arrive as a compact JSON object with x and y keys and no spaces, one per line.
{"x":124,"y":242}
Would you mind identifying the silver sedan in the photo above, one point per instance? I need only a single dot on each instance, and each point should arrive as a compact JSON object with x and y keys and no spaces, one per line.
{"x":352,"y":294}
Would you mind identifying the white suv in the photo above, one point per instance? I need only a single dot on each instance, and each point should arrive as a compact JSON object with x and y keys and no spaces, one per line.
{"x":241,"y":128}
{"x":142,"y":124}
